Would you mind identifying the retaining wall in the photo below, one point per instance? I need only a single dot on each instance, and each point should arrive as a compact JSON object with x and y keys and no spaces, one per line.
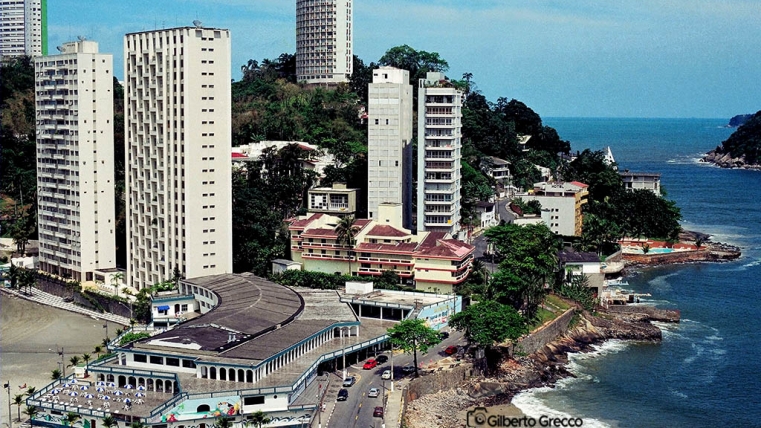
{"x":546,"y":334}
{"x":437,"y":382}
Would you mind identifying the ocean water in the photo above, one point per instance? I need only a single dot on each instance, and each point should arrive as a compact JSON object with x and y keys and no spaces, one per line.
{"x":707,"y":370}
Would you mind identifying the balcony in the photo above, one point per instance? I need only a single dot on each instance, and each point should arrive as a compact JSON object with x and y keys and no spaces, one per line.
{"x":385,"y":260}
{"x":325,"y":256}
{"x":377,"y":271}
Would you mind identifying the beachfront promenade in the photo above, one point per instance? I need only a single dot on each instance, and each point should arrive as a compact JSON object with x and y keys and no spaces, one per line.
{"x":44,"y":298}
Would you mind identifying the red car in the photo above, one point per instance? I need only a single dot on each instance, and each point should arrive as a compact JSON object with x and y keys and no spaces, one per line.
{"x":378,"y":412}
{"x":450,"y":350}
{"x":370,"y":364}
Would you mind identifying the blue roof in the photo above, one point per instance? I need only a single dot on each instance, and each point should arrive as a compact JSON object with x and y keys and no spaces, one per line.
{"x":163,"y":308}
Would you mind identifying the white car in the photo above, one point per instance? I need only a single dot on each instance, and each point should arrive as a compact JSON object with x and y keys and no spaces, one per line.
{"x":386,"y":374}
{"x":374,"y":392}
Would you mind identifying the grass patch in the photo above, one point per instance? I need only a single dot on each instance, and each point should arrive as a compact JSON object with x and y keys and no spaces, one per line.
{"x":557,"y":302}
{"x":543,"y":315}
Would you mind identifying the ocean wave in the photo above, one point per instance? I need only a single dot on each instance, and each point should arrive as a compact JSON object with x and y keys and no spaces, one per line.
{"x":532,"y":404}
{"x":676,"y":393}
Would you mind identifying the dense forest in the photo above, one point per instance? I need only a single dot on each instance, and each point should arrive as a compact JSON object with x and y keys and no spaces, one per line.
{"x":268,"y":104}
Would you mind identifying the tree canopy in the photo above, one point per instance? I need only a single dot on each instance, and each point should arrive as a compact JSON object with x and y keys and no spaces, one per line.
{"x":411,"y":336}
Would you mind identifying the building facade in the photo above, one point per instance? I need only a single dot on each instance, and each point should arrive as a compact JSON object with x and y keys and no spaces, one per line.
{"x":389,"y":141}
{"x":432,"y":261}
{"x":642,"y":180}
{"x":561,"y":205}
{"x":23,"y":28}
{"x":439,"y":155}
{"x":75,"y":161}
{"x":177,"y":127}
{"x":324,"y":38}
{"x":336,"y":200}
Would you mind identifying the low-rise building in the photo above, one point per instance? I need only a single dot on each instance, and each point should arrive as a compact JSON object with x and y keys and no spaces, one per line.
{"x":430,"y":260}
{"x":576,"y":264}
{"x":564,"y":201}
{"x":336,"y":200}
{"x":642,"y":180}
{"x":315,"y":159}
{"x":253,"y":346}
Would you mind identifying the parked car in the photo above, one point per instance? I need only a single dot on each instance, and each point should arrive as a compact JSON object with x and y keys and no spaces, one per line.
{"x":408,"y":369}
{"x":386,"y":374}
{"x":374,"y":392}
{"x":370,"y":364}
{"x":349,"y":381}
{"x":450,"y":350}
{"x":444,"y":335}
{"x":68,"y":299}
{"x":378,"y":412}
{"x":381,"y":359}
{"x":343,"y":394}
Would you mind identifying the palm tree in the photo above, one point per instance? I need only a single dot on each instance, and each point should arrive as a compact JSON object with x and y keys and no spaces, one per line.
{"x":137,"y":424}
{"x":223,"y":422}
{"x":98,"y":350}
{"x":109,"y":422}
{"x":18,"y":400}
{"x":259,"y":418}
{"x":71,"y":418}
{"x":467,"y":77}
{"x":30,"y":391}
{"x":346,"y":230}
{"x":55,"y":374}
{"x":86,"y":359}
{"x":32,"y":412}
{"x":117,"y":279}
{"x":73,"y":361}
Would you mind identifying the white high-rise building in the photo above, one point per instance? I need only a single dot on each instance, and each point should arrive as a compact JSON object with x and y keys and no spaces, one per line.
{"x":439,"y":155}
{"x":389,"y":141}
{"x":324,"y":37}
{"x":75,"y":161}
{"x":23,"y":28}
{"x":178,"y":170}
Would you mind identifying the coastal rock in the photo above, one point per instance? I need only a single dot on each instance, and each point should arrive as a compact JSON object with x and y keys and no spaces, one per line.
{"x":725,"y":160}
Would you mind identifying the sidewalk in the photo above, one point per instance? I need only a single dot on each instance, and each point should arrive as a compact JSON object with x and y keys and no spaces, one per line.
{"x":394,"y":404}
{"x":44,"y":298}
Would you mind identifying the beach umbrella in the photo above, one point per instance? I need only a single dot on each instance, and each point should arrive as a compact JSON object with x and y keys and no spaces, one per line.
{"x":100,"y":389}
{"x":84,"y":387}
{"x":55,"y":391}
{"x":100,"y":383}
{"x":88,"y":396}
{"x":112,"y":385}
{"x":128,"y":386}
{"x":73,"y":381}
{"x":118,"y":393}
{"x":127,"y":401}
{"x":139,"y":394}
{"x":141,"y":388}
{"x":106,"y":397}
{"x":73,"y":393}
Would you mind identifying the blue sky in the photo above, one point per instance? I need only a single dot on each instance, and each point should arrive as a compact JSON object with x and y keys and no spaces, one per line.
{"x":605,"y":58}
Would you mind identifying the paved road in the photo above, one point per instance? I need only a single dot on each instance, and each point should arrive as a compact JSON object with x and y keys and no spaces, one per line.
{"x":357,"y":410}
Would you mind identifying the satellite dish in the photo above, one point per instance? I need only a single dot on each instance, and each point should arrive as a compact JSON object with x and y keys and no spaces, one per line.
{"x":197,"y":23}
{"x":60,"y":48}
{"x":81,"y":38}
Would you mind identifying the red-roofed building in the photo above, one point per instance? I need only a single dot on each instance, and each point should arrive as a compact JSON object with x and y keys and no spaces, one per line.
{"x":431,"y":260}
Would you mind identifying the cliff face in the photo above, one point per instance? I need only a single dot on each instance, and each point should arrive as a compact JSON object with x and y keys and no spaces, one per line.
{"x":742,"y":149}
{"x":725,"y":160}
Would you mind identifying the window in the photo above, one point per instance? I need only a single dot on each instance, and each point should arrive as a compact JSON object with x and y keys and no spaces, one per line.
{"x":140,"y":358}
{"x":157,"y":360}
{"x":251,"y":401}
{"x":175,"y":362}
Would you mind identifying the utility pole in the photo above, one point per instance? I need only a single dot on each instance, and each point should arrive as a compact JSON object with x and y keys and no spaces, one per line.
{"x":10,"y":418}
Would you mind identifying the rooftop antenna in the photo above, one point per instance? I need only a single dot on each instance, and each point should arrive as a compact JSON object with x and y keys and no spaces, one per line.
{"x":81,"y":38}
{"x":197,"y":23}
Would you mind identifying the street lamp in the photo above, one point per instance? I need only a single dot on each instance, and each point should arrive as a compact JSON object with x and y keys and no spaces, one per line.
{"x":7,"y":386}
{"x":343,"y":349}
{"x":62,"y":364}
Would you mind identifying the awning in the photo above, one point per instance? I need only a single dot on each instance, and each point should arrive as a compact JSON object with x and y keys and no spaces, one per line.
{"x":163,"y":308}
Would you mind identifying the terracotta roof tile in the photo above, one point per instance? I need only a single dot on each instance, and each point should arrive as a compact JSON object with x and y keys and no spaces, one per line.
{"x":386,"y":230}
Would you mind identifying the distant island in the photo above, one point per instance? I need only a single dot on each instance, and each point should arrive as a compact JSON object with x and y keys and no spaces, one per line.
{"x":739,"y":120}
{"x":742,"y":149}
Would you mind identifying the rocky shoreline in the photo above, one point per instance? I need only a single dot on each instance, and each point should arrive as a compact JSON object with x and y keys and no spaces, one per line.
{"x":725,"y":160}
{"x":543,"y":368}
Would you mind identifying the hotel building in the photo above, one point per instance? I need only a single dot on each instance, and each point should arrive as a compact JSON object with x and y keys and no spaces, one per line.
{"x":23,"y":28}
{"x":324,"y":37}
{"x":389,"y":141}
{"x":75,"y":161}
{"x":439,"y":155}
{"x":561,"y":205}
{"x":177,"y":127}
{"x":432,"y":261}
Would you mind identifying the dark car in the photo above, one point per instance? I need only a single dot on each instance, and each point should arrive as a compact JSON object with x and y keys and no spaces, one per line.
{"x":381,"y":359}
{"x":343,"y":394}
{"x":378,"y":412}
{"x":444,"y":335}
{"x":349,"y":381}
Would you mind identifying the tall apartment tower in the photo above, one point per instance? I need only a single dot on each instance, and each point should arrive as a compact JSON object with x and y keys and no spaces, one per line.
{"x":439,"y":154}
{"x":23,"y":28}
{"x":75,"y":160}
{"x":324,"y":37}
{"x":389,"y":141}
{"x":177,"y":127}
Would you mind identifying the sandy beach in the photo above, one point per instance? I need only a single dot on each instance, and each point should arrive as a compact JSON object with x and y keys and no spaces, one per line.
{"x":28,"y":331}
